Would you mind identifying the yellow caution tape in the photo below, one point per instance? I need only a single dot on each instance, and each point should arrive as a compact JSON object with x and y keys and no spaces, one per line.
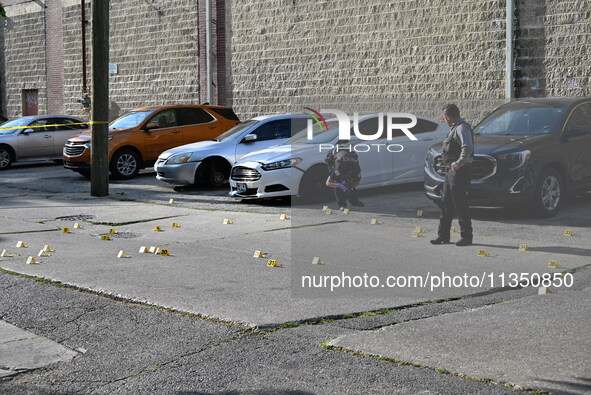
{"x":54,"y":124}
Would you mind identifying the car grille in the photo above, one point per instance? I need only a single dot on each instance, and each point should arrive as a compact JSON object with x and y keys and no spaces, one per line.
{"x":245,"y":174}
{"x":72,"y":149}
{"x":482,"y":167}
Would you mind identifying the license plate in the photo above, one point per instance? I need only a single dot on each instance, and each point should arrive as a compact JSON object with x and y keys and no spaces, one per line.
{"x":241,"y":186}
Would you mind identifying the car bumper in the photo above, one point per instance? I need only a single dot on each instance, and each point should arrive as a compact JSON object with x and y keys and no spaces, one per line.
{"x":274,"y":183}
{"x":77,"y":163}
{"x":503,"y":188}
{"x":181,"y":174}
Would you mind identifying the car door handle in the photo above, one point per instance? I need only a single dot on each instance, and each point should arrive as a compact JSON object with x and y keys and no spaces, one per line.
{"x":176,"y":131}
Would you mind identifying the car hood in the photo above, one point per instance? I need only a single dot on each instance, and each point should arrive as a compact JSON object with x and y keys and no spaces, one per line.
{"x":281,"y":152}
{"x":487,"y":145}
{"x":81,"y":138}
{"x":202,"y":147}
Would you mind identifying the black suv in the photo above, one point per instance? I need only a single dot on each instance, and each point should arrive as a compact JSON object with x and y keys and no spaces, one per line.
{"x":529,"y":151}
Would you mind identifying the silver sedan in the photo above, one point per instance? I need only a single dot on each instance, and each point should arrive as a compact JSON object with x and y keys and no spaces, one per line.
{"x":36,"y":137}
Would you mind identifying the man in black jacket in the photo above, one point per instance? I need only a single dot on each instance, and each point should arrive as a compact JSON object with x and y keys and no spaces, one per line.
{"x":458,"y":154}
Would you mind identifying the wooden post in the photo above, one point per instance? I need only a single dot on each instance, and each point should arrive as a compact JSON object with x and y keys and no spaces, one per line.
{"x":99,"y":180}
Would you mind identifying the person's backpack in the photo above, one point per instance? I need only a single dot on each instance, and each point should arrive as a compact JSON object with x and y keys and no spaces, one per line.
{"x":346,"y":166}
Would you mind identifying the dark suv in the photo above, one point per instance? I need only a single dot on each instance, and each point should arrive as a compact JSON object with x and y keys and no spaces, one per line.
{"x":529,"y":151}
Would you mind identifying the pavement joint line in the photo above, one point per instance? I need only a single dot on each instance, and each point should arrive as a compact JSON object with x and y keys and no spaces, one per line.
{"x":131,"y":301}
{"x":30,"y":231}
{"x":179,"y":205}
{"x":327,"y":346}
{"x":139,"y":221}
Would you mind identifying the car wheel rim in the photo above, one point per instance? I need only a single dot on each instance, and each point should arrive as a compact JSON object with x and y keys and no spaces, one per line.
{"x":218,"y":179}
{"x":126,"y":164}
{"x":550,"y":193}
{"x":4,"y":158}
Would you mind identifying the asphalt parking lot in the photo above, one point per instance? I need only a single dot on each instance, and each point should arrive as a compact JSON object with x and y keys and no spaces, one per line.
{"x":212,"y":277}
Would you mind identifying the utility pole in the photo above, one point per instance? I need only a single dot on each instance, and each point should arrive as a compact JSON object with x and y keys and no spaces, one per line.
{"x":99,"y":177}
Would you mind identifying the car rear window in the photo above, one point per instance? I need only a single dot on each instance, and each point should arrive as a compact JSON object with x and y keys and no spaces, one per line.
{"x":193,"y":116}
{"x":227,"y":113}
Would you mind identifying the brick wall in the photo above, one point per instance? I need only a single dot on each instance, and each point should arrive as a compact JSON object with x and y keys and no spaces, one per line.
{"x":24,"y":55}
{"x":54,"y":48}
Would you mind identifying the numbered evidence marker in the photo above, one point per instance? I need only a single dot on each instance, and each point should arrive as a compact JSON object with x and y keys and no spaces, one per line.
{"x":418,"y":232}
{"x":258,"y":254}
{"x":6,"y":254}
{"x":47,"y":248}
{"x":272,"y":263}
{"x":122,"y":254}
{"x":152,"y":249}
{"x":113,"y":231}
{"x":227,"y":222}
{"x":157,"y":228}
{"x":162,"y":252}
{"x":175,"y":225}
{"x":77,"y":226}
{"x":483,"y":253}
{"x":346,"y":211}
{"x":284,"y":216}
{"x":553,"y":264}
{"x":568,"y":232}
{"x":66,"y":230}
{"x":171,"y":201}
{"x":324,"y":208}
{"x":105,"y":237}
{"x":454,"y":229}
{"x":328,"y":211}
{"x":317,"y":261}
{"x":143,"y":250}
{"x":523,"y":247}
{"x":32,"y":261}
{"x":420,"y":213}
{"x":375,"y":221}
{"x":21,"y":244}
{"x":544,"y":290}
{"x":43,"y":253}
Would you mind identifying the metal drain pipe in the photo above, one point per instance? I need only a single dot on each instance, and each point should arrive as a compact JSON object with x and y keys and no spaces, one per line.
{"x":509,"y":76}
{"x":208,"y":54}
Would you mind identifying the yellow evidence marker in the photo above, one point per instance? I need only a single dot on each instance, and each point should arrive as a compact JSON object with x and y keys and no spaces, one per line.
{"x":544,"y":290}
{"x":122,"y":254}
{"x":77,"y":226}
{"x":113,"y":231}
{"x":171,"y":201}
{"x":568,"y":232}
{"x":143,"y":250}
{"x":375,"y":221}
{"x":346,"y":211}
{"x":553,"y":264}
{"x":105,"y":237}
{"x":43,"y":253}
{"x":317,"y":261}
{"x":175,"y":225}
{"x":324,"y":208}
{"x":328,"y":211}
{"x":47,"y":248}
{"x":483,"y":253}
{"x":163,"y":252}
{"x":31,"y":261}
{"x":6,"y":254}
{"x":66,"y":230}
{"x":417,"y":234}
{"x":258,"y":254}
{"x":272,"y":263}
{"x":420,"y":213}
{"x":157,"y":228}
{"x":523,"y":247}
{"x":454,"y":229}
{"x":283,"y":216}
{"x":21,"y":244}
{"x":152,"y":250}
{"x":227,"y":222}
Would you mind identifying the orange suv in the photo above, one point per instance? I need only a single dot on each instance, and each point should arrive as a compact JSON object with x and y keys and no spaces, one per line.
{"x":139,"y":136}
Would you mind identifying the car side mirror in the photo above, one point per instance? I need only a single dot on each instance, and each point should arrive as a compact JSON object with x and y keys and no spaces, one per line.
{"x":577,"y":130}
{"x":28,"y":131}
{"x":151,"y":125}
{"x":249,"y":138}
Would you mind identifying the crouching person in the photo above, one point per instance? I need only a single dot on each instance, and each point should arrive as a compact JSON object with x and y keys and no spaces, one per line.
{"x":344,"y":175}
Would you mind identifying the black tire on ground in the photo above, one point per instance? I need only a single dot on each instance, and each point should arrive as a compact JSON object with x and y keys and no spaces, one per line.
{"x":216,"y":178}
{"x":125,"y":164}
{"x":6,"y":158}
{"x":84,"y":173}
{"x":549,"y":193}
{"x":313,"y":187}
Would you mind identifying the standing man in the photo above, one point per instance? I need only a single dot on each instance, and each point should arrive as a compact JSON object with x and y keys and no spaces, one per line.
{"x":458,"y":154}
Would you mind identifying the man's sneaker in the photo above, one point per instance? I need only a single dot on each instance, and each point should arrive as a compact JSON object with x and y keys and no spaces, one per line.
{"x":358,"y":203}
{"x":440,"y":240}
{"x":464,"y":242}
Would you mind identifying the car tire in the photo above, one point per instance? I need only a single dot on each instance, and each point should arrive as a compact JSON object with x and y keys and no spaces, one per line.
{"x":6,"y":158}
{"x":216,"y":178}
{"x":549,"y":193}
{"x":125,"y":164}
{"x":84,"y":173}
{"x":313,"y":187}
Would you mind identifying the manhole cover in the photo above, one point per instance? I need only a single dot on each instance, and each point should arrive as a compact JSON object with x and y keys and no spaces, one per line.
{"x":122,"y":235}
{"x":80,"y":217}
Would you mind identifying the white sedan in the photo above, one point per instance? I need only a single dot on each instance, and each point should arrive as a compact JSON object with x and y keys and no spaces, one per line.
{"x":297,"y":167}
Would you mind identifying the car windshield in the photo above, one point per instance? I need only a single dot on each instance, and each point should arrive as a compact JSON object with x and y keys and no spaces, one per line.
{"x":13,"y":123}
{"x":130,"y":119}
{"x":521,"y":121}
{"x":230,"y":133}
{"x":320,"y":134}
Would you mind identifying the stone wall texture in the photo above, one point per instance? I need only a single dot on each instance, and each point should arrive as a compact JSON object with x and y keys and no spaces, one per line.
{"x":280,"y":55}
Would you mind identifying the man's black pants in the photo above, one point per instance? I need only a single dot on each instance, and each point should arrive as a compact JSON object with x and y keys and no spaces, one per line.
{"x":343,"y":196}
{"x":455,"y":202}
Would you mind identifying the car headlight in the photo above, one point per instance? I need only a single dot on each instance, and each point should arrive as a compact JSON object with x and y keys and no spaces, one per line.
{"x":282,"y":164}
{"x":516,"y":159}
{"x":178,"y":159}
